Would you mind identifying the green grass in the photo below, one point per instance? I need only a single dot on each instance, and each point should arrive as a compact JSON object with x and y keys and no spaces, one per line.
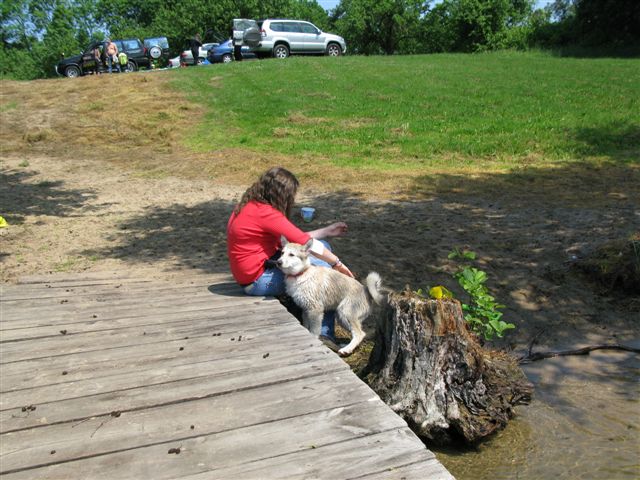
{"x":496,"y":110}
{"x":8,"y":107}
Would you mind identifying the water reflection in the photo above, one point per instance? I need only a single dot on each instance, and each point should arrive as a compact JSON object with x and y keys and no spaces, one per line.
{"x":584,"y":423}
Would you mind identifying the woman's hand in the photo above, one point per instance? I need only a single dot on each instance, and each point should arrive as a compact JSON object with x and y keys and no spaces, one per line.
{"x":335,"y":229}
{"x":342,"y":268}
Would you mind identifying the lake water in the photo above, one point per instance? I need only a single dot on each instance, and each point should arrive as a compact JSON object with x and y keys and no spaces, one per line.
{"x":583,"y":423}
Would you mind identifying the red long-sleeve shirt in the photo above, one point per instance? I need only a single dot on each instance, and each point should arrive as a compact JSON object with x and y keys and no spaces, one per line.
{"x":253,"y":236}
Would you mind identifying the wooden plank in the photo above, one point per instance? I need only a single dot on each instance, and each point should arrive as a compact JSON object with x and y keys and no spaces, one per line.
{"x":74,"y":410}
{"x":138,"y":275}
{"x":88,"y":296}
{"x":67,"y":344}
{"x":41,"y":294}
{"x":216,"y":354}
{"x":62,"y":309}
{"x":344,"y":443}
{"x":243,"y":360}
{"x":83,"y":287}
{"x":103,"y":312}
{"x":226,"y":342}
{"x":104,"y":353}
{"x":421,"y":469}
{"x":358,"y":457}
{"x":172,"y":423}
{"x":53,"y":282}
{"x":79,"y":277}
{"x":146,"y":322}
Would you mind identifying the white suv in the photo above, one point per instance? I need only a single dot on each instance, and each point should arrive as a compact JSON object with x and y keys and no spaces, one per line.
{"x":282,"y":37}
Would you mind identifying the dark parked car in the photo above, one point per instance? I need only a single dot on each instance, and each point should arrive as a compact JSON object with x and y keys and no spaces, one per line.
{"x":157,"y":47}
{"x":138,"y":56}
{"x":223,"y":53}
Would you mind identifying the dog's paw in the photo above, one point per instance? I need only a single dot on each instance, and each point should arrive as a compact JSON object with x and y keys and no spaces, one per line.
{"x":345,"y":352}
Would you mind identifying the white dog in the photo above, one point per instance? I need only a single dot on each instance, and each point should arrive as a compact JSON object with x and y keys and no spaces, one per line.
{"x":318,"y":289}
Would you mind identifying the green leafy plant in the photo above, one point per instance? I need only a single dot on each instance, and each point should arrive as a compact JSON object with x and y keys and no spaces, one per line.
{"x":463,"y":254}
{"x":482,"y":312}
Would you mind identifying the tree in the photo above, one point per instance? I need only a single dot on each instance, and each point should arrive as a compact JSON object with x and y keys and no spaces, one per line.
{"x":59,"y":38}
{"x":311,"y":11}
{"x":614,"y":23}
{"x":119,"y":15}
{"x":377,"y":26}
{"x":610,"y":24}
{"x":473,"y":25}
{"x":86,"y":25}
{"x":34,"y":34}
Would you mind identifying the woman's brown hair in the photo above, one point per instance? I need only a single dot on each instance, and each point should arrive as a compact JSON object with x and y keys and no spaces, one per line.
{"x":276,"y":187}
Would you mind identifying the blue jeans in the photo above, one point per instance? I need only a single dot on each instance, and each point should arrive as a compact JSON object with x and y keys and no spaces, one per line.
{"x":111,"y":62}
{"x":271,"y":284}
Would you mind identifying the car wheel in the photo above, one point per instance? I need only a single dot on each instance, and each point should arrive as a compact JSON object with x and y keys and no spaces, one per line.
{"x":131,"y":67}
{"x":333,"y":50}
{"x":280,"y":51}
{"x":200,"y":61}
{"x":227,"y":58}
{"x":72,"y":71}
{"x":155,"y":52}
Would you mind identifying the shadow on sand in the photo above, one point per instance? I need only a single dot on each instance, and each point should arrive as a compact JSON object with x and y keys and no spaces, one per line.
{"x":19,"y":197}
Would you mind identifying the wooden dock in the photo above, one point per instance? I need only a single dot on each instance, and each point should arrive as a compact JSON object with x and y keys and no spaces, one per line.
{"x":106,"y":376}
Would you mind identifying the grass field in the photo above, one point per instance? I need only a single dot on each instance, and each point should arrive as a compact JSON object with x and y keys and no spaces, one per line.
{"x":429,"y":123}
{"x":483,"y":112}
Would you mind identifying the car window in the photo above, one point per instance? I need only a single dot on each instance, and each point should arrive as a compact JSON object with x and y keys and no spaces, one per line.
{"x":161,"y":42}
{"x":277,"y":27}
{"x":243,"y":24}
{"x":308,"y":28}
{"x":292,"y":27}
{"x":118,"y":44}
{"x":131,"y":44}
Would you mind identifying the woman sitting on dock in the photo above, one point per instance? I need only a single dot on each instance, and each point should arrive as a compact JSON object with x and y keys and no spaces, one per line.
{"x":253,"y":238}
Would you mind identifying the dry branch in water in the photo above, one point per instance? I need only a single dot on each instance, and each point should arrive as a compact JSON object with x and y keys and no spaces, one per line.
{"x":533,"y":357}
{"x":431,"y":369}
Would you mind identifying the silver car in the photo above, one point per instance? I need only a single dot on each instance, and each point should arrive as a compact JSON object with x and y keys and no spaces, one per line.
{"x":186,"y":57}
{"x":283,"y":37}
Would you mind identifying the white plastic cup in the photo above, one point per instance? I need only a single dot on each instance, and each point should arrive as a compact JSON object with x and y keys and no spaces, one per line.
{"x":307,"y":213}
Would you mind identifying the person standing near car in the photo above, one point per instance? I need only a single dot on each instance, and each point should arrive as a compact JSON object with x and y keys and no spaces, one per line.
{"x":112,"y":55}
{"x":237,"y":45}
{"x":196,"y":43}
{"x":97,"y":55}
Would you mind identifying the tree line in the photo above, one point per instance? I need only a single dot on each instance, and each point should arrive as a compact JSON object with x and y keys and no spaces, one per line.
{"x":35,"y":33}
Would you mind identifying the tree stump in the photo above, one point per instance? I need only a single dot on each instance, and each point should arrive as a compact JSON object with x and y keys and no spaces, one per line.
{"x":430,"y":368}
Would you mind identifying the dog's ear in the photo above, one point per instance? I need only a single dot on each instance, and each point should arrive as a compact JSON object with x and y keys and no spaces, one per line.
{"x":307,"y":245}
{"x":283,"y":240}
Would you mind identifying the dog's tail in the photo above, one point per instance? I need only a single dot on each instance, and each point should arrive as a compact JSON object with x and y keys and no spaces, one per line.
{"x":374,"y":284}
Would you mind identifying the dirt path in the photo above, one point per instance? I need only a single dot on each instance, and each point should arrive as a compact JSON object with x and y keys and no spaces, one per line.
{"x":71,"y":215}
